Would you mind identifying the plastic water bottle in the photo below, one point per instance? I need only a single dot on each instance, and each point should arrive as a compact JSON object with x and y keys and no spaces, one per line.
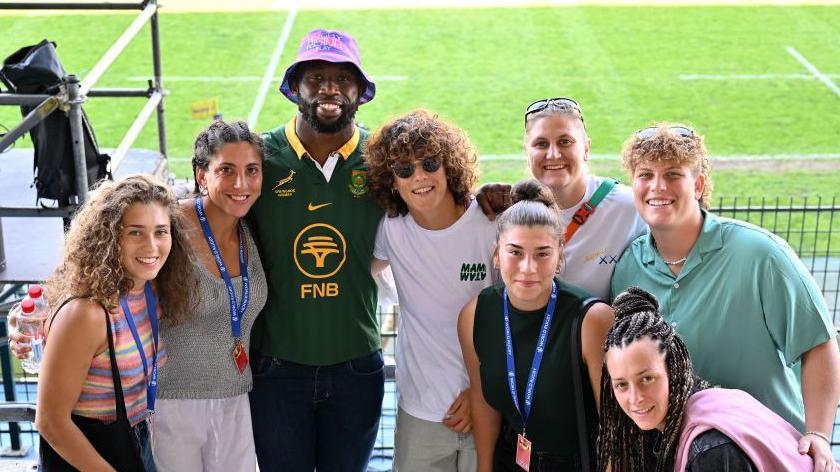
{"x":34,"y":312}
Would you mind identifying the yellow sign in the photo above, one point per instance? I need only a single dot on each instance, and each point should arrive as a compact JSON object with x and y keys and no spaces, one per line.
{"x":204,"y":108}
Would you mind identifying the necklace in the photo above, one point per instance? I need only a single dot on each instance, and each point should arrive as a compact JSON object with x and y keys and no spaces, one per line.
{"x":666,"y":261}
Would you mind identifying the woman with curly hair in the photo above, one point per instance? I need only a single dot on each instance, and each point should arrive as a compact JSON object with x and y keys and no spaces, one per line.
{"x":750,"y":313}
{"x":204,"y":418}
{"x":533,"y":347}
{"x":439,"y":244}
{"x":657,"y":414}
{"x":126,"y":266}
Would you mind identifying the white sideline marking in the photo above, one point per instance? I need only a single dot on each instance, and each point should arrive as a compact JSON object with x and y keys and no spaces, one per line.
{"x":253,"y":78}
{"x":616,"y":157}
{"x":813,"y":70}
{"x":272,"y":65}
{"x":734,"y":157}
{"x":751,"y":76}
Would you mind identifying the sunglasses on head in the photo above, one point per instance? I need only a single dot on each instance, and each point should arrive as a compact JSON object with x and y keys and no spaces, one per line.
{"x":650,"y":131}
{"x":541,"y":105}
{"x":406,"y":170}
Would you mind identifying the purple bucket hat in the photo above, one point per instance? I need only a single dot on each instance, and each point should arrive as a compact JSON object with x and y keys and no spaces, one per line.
{"x":329,"y":46}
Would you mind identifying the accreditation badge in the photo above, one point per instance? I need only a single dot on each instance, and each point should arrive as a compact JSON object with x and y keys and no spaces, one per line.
{"x":523,"y":452}
{"x":240,"y":357}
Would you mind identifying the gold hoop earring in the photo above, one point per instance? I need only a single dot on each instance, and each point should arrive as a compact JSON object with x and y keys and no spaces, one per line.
{"x":204,"y":192}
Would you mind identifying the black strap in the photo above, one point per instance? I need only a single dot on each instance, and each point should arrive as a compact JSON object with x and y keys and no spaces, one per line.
{"x":52,"y":317}
{"x":122,"y":413}
{"x":579,"y":372}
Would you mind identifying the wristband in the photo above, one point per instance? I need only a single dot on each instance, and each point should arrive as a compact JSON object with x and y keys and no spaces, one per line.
{"x":819,"y":434}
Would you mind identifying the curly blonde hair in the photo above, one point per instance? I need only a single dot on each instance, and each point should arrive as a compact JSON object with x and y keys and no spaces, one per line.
{"x":91,"y":265}
{"x":666,"y":145}
{"x":418,"y":135}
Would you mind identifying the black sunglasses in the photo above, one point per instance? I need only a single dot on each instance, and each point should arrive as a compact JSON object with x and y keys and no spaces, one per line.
{"x":650,"y":131}
{"x":541,"y":105}
{"x":406,"y":170}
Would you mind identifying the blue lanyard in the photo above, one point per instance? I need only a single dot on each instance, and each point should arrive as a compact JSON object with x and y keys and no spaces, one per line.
{"x":151,"y":308}
{"x":235,"y":314}
{"x":538,"y":355}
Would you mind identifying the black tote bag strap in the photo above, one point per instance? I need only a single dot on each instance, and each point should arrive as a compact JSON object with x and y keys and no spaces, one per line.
{"x":579,"y":373}
{"x":52,"y":316}
{"x":122,"y":414}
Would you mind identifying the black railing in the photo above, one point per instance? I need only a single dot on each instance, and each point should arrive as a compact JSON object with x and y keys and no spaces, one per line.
{"x":810,"y":225}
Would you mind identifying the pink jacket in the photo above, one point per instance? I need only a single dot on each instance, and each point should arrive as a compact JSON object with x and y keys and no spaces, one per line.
{"x":770,"y":442}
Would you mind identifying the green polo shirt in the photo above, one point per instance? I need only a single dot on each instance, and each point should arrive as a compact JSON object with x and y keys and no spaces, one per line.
{"x":316,"y":242}
{"x":745,"y":305}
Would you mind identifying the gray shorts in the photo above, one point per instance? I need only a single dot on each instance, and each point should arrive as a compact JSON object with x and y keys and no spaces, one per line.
{"x":421,"y":445}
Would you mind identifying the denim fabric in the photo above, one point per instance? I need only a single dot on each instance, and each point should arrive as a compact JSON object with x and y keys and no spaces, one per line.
{"x":714,"y":451}
{"x":141,"y":434}
{"x":323,"y":417}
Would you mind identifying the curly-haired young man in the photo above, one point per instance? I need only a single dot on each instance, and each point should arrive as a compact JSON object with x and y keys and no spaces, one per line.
{"x":439,"y":245}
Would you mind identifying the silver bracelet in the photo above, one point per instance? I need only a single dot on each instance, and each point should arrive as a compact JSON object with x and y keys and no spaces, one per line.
{"x":819,"y":434}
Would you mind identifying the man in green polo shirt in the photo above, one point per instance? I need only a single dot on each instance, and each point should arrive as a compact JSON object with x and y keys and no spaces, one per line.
{"x":751,"y":315}
{"x":317,"y":363}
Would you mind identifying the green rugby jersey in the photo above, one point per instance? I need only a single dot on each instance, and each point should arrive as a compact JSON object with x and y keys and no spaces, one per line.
{"x":316,"y":241}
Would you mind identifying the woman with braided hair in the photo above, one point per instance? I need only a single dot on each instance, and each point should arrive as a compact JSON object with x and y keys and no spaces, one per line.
{"x":657,"y":414}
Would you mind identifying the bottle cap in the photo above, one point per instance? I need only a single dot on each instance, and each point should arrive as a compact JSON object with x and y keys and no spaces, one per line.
{"x":27,"y":306}
{"x":35,"y":291}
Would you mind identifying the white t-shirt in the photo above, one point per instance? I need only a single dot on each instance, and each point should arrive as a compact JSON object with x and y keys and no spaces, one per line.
{"x":594,"y":249}
{"x":436,"y":273}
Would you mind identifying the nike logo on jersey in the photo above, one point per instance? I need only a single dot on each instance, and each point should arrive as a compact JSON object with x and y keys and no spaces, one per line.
{"x":313,"y":207}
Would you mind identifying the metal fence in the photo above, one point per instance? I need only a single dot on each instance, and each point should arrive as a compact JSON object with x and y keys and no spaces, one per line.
{"x":810,"y":225}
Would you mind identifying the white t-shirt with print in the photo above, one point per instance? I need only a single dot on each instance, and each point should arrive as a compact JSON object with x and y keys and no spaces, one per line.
{"x":436,"y":272}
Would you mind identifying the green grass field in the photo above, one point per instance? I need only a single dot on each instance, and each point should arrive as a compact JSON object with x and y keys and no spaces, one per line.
{"x":628,"y":67}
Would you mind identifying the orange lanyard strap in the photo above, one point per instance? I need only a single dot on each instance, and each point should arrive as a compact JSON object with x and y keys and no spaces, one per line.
{"x":585,"y":211}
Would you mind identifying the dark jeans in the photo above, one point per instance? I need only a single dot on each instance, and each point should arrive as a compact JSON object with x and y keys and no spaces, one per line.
{"x":323,"y":417}
{"x":141,"y":433}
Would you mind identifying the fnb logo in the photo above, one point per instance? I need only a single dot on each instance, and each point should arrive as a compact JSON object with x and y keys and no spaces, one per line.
{"x":320,"y":247}
{"x":320,"y":251}
{"x":472,"y":272}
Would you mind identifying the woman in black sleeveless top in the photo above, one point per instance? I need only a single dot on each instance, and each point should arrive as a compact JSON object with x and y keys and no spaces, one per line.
{"x":543,"y":317}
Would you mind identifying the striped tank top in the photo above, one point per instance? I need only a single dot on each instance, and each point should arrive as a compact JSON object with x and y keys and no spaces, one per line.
{"x":97,"y":399}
